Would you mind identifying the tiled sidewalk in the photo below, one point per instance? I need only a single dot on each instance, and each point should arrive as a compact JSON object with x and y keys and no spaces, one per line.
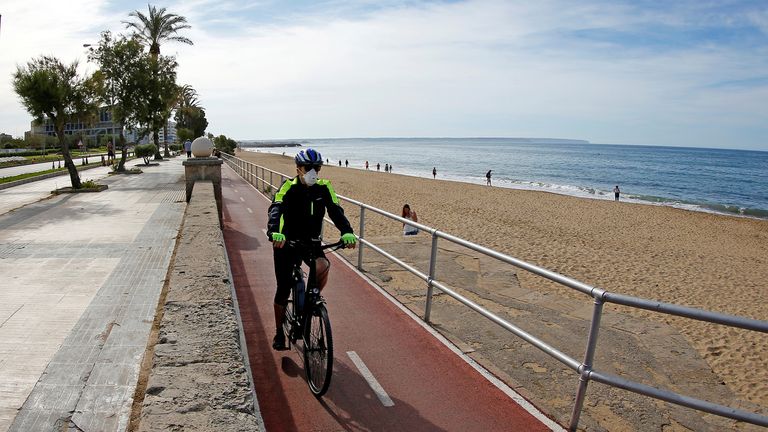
{"x":80,"y":277}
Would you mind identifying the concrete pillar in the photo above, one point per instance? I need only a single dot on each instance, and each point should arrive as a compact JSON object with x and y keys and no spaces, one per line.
{"x":204,"y":168}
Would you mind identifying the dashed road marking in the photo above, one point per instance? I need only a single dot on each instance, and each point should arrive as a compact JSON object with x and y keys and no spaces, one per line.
{"x":242,"y":199}
{"x":375,"y":386}
{"x":249,"y":210}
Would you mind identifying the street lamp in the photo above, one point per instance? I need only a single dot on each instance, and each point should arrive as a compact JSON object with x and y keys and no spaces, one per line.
{"x":87,"y":45}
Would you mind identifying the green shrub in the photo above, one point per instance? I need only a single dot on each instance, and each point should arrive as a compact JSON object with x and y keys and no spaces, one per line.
{"x":145,"y":151}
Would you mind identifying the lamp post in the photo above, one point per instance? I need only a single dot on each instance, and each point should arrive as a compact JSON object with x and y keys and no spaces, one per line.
{"x":85,"y":143}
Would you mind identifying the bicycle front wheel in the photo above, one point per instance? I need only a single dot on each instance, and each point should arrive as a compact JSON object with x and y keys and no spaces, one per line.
{"x":318,"y":350}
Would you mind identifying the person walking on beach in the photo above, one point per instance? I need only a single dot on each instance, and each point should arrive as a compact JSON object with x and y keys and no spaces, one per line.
{"x":366,"y":164}
{"x":378,"y":166}
{"x":434,"y":172}
{"x":410,"y":215}
{"x":616,"y":192}
{"x":297,"y":213}
{"x":386,"y":167}
{"x":188,"y":147}
{"x":339,"y":162}
{"x":488,"y":178}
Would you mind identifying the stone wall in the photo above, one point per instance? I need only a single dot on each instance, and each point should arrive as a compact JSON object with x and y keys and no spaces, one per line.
{"x":198,"y":378}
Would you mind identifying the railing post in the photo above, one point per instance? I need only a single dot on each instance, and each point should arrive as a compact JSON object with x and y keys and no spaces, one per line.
{"x":586,"y":366}
{"x":430,"y":288}
{"x":361,"y":233}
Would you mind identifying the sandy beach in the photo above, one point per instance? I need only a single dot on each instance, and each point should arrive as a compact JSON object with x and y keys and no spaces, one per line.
{"x":707,"y":261}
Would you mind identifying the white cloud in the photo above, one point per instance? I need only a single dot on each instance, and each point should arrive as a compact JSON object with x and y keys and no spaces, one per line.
{"x":476,"y":68}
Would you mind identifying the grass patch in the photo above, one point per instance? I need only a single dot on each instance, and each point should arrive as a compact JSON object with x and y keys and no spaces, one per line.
{"x":52,"y":157}
{"x":28,"y":175}
{"x":39,"y":173}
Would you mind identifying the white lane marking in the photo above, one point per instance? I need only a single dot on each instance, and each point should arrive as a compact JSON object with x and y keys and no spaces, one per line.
{"x":242,"y":199}
{"x":501,"y":385}
{"x":249,"y":210}
{"x":236,"y":191}
{"x":375,"y":386}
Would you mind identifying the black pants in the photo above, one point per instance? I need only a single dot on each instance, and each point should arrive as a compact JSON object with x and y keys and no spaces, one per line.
{"x":286,"y":259}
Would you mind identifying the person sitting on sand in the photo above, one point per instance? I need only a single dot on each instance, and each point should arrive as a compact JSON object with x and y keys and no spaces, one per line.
{"x":410,"y":215}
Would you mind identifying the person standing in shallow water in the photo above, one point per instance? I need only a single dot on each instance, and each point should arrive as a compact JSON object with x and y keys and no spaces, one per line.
{"x":616,"y":193}
{"x":488,"y":178}
{"x":434,"y":172}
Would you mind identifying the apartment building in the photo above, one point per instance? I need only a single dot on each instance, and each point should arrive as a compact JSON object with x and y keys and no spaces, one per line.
{"x":103,"y":126}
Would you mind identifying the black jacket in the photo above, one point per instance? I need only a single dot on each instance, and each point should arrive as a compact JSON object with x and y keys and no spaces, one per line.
{"x":297,"y":211}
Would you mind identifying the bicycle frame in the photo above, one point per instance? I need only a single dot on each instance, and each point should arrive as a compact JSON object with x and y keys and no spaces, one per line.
{"x":317,"y":341}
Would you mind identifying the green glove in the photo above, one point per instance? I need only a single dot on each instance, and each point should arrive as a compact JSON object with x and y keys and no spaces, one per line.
{"x":348,"y":239}
{"x":278,"y":237}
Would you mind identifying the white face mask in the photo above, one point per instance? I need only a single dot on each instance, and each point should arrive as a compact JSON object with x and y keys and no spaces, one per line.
{"x":310,"y":177}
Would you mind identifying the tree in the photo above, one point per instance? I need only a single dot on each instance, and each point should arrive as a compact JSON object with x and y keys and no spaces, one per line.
{"x":157,"y":27}
{"x":225,"y":144}
{"x":145,"y":151}
{"x":49,"y":88}
{"x":126,"y":79}
{"x":190,"y":116}
{"x":153,"y":29}
{"x":161,"y":97}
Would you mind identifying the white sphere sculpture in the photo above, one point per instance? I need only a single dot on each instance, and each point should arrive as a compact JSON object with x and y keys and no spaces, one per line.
{"x":202,"y":147}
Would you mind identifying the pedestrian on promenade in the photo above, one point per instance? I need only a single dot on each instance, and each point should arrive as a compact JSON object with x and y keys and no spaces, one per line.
{"x":110,"y":152}
{"x":434,"y":172}
{"x":290,"y":218}
{"x":616,"y":193}
{"x":188,"y":148}
{"x":488,"y":178}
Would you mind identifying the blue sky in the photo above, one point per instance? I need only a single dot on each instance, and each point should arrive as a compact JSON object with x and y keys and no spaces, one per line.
{"x":682,"y":73}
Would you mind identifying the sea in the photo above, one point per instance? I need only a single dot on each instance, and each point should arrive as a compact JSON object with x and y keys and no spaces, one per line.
{"x":732,"y":182}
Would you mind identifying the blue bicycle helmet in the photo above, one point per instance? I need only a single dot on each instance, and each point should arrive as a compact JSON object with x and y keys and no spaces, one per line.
{"x":308,"y":157}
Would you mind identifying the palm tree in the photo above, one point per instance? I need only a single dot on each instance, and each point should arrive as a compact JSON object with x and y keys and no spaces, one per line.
{"x":190,"y":115}
{"x":157,"y":27}
{"x":188,"y":97}
{"x":153,"y":29}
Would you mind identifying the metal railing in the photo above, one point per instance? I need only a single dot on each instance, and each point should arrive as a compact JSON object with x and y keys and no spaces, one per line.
{"x":257,"y":175}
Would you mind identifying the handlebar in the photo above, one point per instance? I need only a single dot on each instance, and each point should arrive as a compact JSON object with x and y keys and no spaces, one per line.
{"x":305,"y":244}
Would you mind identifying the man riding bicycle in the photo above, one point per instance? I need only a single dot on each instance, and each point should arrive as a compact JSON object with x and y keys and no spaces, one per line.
{"x":297,"y":213}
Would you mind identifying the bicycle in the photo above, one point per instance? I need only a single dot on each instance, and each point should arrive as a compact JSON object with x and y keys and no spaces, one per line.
{"x":306,"y":318}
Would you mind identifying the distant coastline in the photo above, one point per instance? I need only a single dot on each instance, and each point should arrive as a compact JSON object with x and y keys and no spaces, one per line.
{"x":301,"y":142}
{"x":271,"y":143}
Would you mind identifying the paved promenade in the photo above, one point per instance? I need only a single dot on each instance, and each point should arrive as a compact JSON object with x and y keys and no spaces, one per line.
{"x":80,"y":277}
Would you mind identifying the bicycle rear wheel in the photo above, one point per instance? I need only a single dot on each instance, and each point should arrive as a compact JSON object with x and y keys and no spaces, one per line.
{"x":318,"y":350}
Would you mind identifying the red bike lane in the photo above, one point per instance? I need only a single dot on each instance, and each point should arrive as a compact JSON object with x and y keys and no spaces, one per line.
{"x":429,"y":387}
